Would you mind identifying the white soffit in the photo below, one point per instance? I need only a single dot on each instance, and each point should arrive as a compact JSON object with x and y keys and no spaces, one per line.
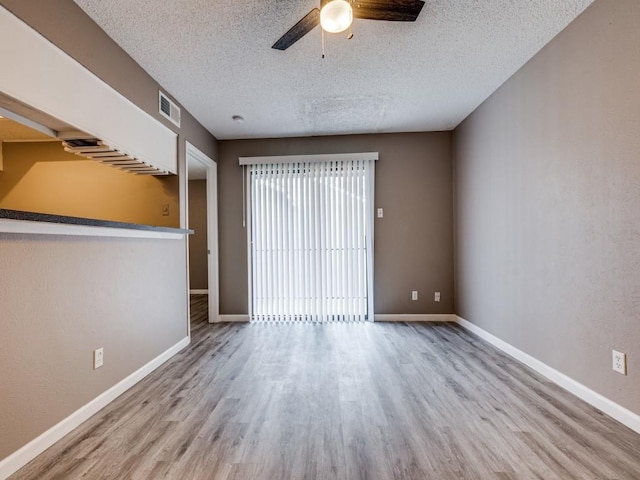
{"x":216,"y":59}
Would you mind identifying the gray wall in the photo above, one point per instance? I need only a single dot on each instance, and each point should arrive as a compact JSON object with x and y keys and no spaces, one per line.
{"x":62,"y":297}
{"x":198,"y":271}
{"x":547,"y":192}
{"x":413,"y":242}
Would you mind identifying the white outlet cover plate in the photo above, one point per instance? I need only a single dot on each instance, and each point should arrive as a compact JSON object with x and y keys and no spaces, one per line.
{"x":619,"y":362}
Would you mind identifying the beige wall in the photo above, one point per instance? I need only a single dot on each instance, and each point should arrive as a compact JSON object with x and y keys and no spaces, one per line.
{"x":413,"y":242}
{"x":198,"y":270}
{"x":547,"y":182}
{"x":42,"y":177}
{"x":62,"y":297}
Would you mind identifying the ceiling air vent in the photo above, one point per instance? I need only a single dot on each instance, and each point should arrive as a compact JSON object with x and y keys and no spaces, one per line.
{"x":169,"y":110}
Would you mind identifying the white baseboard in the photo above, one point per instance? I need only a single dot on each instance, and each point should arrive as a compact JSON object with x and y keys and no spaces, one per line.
{"x":241,"y":317}
{"x":35,"y":447}
{"x":410,"y":317}
{"x":199,"y":291}
{"x":602,"y":403}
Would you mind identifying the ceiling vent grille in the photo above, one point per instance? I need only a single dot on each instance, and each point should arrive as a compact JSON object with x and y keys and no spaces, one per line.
{"x":95,"y":149}
{"x":168,"y":109}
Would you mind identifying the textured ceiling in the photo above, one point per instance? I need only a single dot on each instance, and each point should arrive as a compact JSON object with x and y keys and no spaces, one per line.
{"x":216,"y":59}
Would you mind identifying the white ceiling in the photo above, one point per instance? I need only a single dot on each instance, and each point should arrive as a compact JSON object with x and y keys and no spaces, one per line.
{"x":216,"y":59}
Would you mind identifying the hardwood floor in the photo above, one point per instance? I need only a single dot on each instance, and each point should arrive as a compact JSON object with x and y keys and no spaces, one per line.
{"x":342,"y":401}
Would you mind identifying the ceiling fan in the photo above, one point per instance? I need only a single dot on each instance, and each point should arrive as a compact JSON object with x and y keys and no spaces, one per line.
{"x":329,"y":11}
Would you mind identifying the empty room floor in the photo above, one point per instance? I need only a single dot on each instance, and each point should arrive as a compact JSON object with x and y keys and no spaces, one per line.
{"x":342,"y":401}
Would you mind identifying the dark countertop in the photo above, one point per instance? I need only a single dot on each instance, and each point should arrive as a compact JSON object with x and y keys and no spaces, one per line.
{"x":87,"y":222}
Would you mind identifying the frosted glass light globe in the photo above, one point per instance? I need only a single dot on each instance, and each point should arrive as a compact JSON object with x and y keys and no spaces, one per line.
{"x":336,"y":16}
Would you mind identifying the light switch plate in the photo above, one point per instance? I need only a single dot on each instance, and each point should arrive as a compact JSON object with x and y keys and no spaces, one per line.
{"x":98,"y":358}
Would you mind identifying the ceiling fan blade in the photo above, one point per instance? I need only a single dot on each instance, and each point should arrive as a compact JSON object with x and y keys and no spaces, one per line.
{"x":299,"y":30}
{"x":390,"y":10}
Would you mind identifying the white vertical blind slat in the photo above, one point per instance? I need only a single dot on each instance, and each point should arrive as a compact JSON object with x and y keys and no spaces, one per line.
{"x":287,"y":296}
{"x":272,"y":250}
{"x":360,"y":241}
{"x":314,"y":274}
{"x":322,"y":244}
{"x":264,"y":238}
{"x":330,"y":249}
{"x":294,"y":308}
{"x":351,"y":243}
{"x":295,"y":245}
{"x":306,"y":228}
{"x":369,"y":213}
{"x":257,"y":242}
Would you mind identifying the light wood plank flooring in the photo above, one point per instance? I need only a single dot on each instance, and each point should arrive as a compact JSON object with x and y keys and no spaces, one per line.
{"x":346,"y":401}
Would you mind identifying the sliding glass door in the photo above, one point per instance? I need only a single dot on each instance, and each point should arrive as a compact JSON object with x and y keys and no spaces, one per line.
{"x":311,"y":241}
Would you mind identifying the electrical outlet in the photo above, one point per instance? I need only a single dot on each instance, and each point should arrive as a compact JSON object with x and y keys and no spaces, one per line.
{"x":414,"y":295}
{"x":619,"y":362}
{"x":165,"y":209}
{"x":380,"y":213}
{"x":436,"y":296}
{"x":98,"y":358}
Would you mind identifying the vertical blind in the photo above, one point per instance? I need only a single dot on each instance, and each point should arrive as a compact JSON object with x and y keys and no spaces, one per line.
{"x":311,"y":241}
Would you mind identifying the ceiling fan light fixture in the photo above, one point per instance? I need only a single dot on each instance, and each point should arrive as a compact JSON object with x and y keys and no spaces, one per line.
{"x":336,"y":16}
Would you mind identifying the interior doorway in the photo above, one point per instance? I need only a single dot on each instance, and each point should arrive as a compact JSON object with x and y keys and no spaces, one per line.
{"x":202,"y":216}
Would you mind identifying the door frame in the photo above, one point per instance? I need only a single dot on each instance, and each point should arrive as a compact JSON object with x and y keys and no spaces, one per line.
{"x":195,"y":155}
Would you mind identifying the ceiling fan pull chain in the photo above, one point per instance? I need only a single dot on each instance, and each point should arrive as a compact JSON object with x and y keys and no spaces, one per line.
{"x":322,"y":42}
